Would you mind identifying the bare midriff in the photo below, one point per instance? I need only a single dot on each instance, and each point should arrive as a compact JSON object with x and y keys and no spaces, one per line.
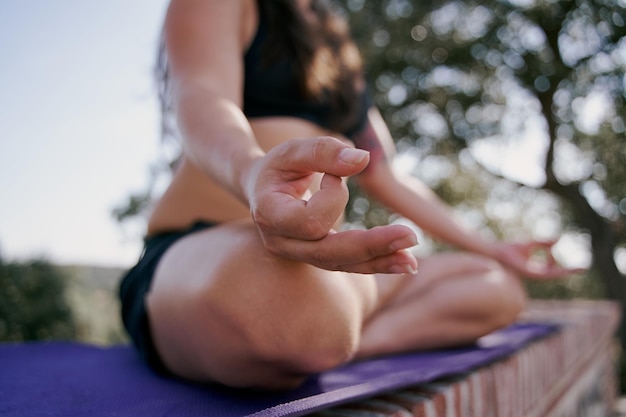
{"x":192,"y":196}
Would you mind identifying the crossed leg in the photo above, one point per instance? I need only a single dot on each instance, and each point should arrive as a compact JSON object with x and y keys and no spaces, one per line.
{"x":223,"y":309}
{"x":453,"y":300}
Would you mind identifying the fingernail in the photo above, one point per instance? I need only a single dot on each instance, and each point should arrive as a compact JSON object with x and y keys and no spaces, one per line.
{"x":403,"y":243}
{"x":352,"y":156}
{"x":403,"y":269}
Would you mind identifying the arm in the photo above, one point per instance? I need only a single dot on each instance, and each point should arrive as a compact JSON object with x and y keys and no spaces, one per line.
{"x":408,"y":196}
{"x":206,"y":78}
{"x":205,"y":42}
{"x":414,"y":200}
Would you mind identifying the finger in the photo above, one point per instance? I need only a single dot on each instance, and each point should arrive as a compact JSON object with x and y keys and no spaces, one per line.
{"x":540,"y":252}
{"x":338,"y":250}
{"x":400,"y":262}
{"x":552,"y":272}
{"x":539,"y":245}
{"x":295,"y":218}
{"x":320,"y":154}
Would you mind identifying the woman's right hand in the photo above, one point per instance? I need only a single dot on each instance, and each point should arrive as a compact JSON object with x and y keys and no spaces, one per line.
{"x":302,"y":229}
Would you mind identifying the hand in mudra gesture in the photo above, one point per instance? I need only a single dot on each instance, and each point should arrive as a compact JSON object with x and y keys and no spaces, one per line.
{"x":298,"y":228}
{"x":533,"y":259}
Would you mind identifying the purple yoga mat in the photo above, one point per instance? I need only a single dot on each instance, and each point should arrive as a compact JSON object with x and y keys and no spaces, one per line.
{"x":69,"y":379}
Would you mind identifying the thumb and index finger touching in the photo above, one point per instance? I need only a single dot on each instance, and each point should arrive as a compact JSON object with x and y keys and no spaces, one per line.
{"x":536,"y":260}
{"x":291,"y":165}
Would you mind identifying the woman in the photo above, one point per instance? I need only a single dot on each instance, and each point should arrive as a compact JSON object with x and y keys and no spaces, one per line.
{"x":245,"y":279}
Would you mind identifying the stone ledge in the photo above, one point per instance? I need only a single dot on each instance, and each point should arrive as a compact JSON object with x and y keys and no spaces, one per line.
{"x":570,"y":373}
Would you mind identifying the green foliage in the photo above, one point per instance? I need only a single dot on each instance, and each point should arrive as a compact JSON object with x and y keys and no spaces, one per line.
{"x":32,"y":302}
{"x":446,"y":73}
{"x":135,"y":204}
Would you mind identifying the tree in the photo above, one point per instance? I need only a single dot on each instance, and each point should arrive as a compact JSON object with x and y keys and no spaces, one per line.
{"x":456,"y":78}
{"x":32,"y":302}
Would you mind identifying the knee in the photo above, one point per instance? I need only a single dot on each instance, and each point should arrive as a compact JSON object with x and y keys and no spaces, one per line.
{"x":503,"y":295}
{"x":291,"y":327}
{"x":313,"y":349}
{"x":306,"y":343}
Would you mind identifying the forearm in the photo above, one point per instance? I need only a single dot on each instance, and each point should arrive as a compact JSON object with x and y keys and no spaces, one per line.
{"x":204,"y":44}
{"x":217,"y":137}
{"x":418,"y":203}
{"x":408,"y":196}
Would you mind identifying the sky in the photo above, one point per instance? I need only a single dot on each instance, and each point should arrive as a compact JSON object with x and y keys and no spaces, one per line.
{"x":78,"y":125}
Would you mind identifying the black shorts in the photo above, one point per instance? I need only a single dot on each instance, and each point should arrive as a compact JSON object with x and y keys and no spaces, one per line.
{"x":136,"y":284}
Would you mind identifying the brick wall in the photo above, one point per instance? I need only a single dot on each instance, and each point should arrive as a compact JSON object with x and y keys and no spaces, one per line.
{"x":569,"y":374}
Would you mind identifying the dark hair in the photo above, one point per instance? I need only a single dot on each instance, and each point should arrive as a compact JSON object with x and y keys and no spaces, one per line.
{"x":327,"y":63}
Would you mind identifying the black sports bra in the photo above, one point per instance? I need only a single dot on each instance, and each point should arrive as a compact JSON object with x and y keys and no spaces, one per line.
{"x":272,"y":90}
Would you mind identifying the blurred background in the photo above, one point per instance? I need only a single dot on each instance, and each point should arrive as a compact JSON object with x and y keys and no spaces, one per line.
{"x":79,"y":122}
{"x":512,"y":110}
{"x":80,"y":132}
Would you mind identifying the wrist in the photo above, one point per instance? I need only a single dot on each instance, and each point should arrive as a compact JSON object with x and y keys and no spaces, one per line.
{"x":498,"y":251}
{"x":490,"y":249}
{"x":246,"y":166}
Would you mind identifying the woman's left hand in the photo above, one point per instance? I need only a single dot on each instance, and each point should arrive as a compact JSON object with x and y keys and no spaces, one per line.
{"x":533,"y":259}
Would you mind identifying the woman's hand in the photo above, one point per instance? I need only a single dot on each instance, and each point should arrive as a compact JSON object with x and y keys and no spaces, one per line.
{"x":533,"y":260}
{"x":302,"y":229}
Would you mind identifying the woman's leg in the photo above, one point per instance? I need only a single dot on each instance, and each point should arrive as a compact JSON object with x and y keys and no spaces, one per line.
{"x":453,"y":300}
{"x":223,"y":309}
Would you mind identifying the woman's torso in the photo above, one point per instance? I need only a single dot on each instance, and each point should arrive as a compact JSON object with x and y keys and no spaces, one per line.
{"x":192,"y":196}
